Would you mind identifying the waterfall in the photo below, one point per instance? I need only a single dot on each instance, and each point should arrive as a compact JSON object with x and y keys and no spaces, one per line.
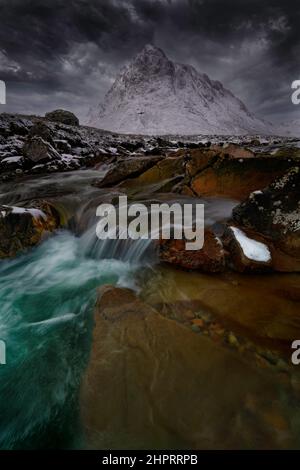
{"x":137,"y":252}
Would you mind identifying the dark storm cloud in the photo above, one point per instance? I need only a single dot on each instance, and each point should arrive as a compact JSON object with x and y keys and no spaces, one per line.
{"x":66,"y":53}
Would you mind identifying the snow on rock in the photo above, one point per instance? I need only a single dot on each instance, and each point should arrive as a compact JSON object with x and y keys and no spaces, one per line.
{"x":154,"y":95}
{"x":11,"y":159}
{"x":35,"y":213}
{"x":252,"y":249}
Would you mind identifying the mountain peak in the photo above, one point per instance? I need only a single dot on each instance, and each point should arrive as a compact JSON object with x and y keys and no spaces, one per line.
{"x":151,"y":49}
{"x":151,"y":60}
{"x":154,"y":95}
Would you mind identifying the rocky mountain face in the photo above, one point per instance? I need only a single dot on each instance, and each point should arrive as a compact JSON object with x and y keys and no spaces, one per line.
{"x":154,"y":95}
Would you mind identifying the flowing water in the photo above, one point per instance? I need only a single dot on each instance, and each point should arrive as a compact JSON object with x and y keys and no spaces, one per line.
{"x":47,"y":297}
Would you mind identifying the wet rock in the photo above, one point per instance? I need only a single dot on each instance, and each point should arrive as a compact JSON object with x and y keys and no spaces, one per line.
{"x":24,"y":227}
{"x":200,"y":159}
{"x":63,"y":117}
{"x":275,"y":213}
{"x":265,"y":307}
{"x":211,"y":258}
{"x":153,"y":383}
{"x":131,"y":167}
{"x":37,"y":149}
{"x":288,"y":152}
{"x":166,"y":169}
{"x":234,"y":175}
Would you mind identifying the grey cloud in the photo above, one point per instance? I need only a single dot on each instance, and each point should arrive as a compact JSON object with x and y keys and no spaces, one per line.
{"x":58,"y":53}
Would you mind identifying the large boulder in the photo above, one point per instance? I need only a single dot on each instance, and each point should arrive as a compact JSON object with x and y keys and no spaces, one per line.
{"x":41,"y":129}
{"x":274,"y":213}
{"x":37,"y":149}
{"x":24,"y":227}
{"x":163,"y":176}
{"x":151,"y":382}
{"x":232,"y":171}
{"x":211,"y":258}
{"x":130,"y":167}
{"x":63,"y":117}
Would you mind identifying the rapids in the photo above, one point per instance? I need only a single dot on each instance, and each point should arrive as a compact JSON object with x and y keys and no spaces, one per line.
{"x":47,"y":297}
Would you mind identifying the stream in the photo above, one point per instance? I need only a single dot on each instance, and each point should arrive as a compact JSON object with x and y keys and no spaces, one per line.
{"x":47,"y":298}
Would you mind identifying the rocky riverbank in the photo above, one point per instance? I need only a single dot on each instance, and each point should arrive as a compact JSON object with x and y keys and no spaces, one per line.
{"x":263,"y":234}
{"x":197,"y":353}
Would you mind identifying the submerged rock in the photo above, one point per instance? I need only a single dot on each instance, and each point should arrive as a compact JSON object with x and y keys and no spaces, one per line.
{"x":153,"y":383}
{"x":24,"y":227}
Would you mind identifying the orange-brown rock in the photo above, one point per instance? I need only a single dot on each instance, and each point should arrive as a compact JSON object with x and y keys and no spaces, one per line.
{"x":211,"y":258}
{"x":232,"y":171}
{"x":130,"y":167}
{"x":151,"y":382}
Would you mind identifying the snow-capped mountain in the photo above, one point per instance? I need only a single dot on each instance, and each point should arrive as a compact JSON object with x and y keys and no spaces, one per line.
{"x":154,"y":95}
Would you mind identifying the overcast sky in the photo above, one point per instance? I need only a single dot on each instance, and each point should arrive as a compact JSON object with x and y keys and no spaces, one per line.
{"x":66,"y":53}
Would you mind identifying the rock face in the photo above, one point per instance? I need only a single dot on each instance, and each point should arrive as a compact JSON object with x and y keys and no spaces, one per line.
{"x":154,"y":95}
{"x":153,"y":383}
{"x":211,"y":258}
{"x":24,"y":227}
{"x":37,"y":149}
{"x":63,"y":117}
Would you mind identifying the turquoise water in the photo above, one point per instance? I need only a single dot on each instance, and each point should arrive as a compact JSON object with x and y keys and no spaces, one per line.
{"x":46,"y":302}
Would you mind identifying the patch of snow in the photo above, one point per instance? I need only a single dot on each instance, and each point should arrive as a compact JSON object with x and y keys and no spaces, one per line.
{"x":257,"y":192}
{"x":36,"y":213}
{"x":68,"y":158}
{"x":252,"y":249}
{"x":101,"y":150}
{"x":11,"y":160}
{"x":35,"y":167}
